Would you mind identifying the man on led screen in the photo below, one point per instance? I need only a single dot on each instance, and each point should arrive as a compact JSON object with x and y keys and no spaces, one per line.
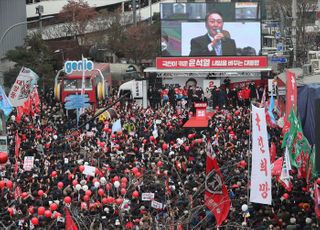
{"x":216,"y":42}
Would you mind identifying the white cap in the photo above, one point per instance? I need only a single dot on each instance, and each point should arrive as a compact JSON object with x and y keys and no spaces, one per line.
{"x":292,"y":220}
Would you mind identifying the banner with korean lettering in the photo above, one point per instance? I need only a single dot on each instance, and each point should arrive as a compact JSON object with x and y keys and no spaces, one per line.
{"x":260,"y":170}
{"x":211,"y":62}
{"x":137,"y":89}
{"x":22,"y":87}
{"x":291,"y":95}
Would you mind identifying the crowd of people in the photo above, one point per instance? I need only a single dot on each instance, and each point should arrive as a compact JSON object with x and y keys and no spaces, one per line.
{"x":157,"y":155}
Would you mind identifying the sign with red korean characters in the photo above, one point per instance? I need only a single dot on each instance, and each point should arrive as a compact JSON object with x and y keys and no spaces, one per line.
{"x":260,"y":170}
{"x":212,"y":62}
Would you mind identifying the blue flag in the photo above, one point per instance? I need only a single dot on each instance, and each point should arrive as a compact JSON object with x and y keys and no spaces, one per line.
{"x":5,"y":103}
{"x":270,"y":109}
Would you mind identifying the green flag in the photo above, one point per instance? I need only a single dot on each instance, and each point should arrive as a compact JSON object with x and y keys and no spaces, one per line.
{"x":289,"y":137}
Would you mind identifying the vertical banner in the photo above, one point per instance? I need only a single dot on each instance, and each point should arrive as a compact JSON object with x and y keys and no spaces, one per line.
{"x":291,"y":95}
{"x":216,"y":194}
{"x":261,"y":170}
{"x":22,"y":87}
{"x":137,"y":89}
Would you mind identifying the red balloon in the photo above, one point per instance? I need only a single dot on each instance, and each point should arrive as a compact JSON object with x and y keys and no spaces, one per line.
{"x":118,"y":201}
{"x":236,"y":113}
{"x":84,"y":205}
{"x":104,"y":200}
{"x":86,"y":198}
{"x":318,"y":181}
{"x":151,"y":138}
{"x":3,"y":157}
{"x":56,"y":215}
{"x":285,"y":196}
{"x":67,"y":199}
{"x":53,"y":207}
{"x":187,"y":148}
{"x":100,"y":192}
{"x":81,"y":168}
{"x":190,"y":136}
{"x":9,"y":184}
{"x":123,"y":185}
{"x":144,"y":141}
{"x":108,"y":186}
{"x":229,"y":128}
{"x":41,"y":211}
{"x":94,"y":180}
{"x":113,"y":136}
{"x":115,"y":178}
{"x":11,"y":212}
{"x":34,"y":221}
{"x":135,"y":194}
{"x":110,"y":199}
{"x":229,"y":117}
{"x":123,"y":191}
{"x":24,"y":195}
{"x":217,"y":107}
{"x":74,"y":182}
{"x":159,"y":164}
{"x":199,"y":141}
{"x":48,"y":213}
{"x":243,"y":163}
{"x":88,"y":192}
{"x":40,"y":193}
{"x":164,"y":146}
{"x":124,"y":180}
{"x":2,"y":184}
{"x":138,"y":174}
{"x":54,"y":174}
{"x":134,"y":170}
{"x":60,"y":185}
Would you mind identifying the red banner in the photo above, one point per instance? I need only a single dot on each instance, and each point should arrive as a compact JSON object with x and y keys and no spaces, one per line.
{"x":211,"y":62}
{"x":291,"y":95}
{"x":216,"y":195}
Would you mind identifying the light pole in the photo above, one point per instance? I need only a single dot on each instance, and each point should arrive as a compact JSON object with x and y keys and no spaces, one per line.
{"x":39,"y":11}
{"x":18,"y":24}
{"x":294,"y":32}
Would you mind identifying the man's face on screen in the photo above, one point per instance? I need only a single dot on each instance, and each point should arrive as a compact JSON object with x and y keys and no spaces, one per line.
{"x":214,"y":23}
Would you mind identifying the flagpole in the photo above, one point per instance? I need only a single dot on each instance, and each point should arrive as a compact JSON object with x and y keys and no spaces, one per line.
{"x":249,"y":158}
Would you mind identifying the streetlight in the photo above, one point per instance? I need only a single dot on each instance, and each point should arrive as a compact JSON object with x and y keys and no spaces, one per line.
{"x":18,"y":24}
{"x":39,"y":10}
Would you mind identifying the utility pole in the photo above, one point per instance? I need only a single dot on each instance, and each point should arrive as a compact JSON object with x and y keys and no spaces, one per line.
{"x":134,"y":12}
{"x":150,"y":6}
{"x":39,"y":11}
{"x":294,"y":32}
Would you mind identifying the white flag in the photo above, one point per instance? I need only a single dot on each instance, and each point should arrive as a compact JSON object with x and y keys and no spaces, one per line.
{"x":260,"y":170}
{"x":22,"y":87}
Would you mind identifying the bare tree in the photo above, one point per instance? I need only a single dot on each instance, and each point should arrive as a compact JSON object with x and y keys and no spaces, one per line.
{"x":77,"y":17}
{"x":306,"y":16}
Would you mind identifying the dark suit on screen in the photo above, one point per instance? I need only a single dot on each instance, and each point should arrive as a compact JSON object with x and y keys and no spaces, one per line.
{"x":199,"y":46}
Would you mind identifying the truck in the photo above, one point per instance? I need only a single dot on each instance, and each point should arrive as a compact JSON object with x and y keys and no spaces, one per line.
{"x":97,"y":81}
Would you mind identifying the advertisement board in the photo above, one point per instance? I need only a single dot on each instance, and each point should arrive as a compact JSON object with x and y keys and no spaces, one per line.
{"x":188,"y":29}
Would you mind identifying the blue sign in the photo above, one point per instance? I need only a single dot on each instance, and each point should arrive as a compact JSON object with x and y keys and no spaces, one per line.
{"x":279,"y":59}
{"x":277,"y":35}
{"x":280,"y":47}
{"x":82,"y":65}
{"x":76,"y":101}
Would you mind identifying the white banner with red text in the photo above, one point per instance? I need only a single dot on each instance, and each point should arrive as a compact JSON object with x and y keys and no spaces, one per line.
{"x":260,"y":171}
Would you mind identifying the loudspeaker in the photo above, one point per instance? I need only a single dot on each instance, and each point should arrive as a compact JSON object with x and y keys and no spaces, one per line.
{"x":317,"y":133}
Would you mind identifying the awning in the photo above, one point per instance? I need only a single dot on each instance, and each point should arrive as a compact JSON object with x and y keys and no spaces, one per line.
{"x":156,"y":70}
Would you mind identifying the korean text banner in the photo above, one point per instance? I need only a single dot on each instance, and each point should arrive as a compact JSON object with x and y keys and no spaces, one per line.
{"x":261,"y":170}
{"x":22,"y":87}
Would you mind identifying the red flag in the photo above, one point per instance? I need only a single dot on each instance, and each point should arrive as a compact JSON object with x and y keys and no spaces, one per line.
{"x":17,"y":146}
{"x":291,"y":95}
{"x":35,"y":101}
{"x":27,"y":107}
{"x":19,"y":113}
{"x":277,"y":167}
{"x":316,"y":200}
{"x":273,"y":152}
{"x":216,"y":195}
{"x":70,"y":224}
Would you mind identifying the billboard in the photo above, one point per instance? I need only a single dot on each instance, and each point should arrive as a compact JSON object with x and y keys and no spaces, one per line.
{"x":210,"y":29}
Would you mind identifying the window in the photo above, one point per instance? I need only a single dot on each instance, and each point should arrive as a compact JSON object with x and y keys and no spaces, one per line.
{"x":76,"y":84}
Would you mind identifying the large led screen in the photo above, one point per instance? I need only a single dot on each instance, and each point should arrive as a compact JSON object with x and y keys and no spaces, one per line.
{"x":210,"y":29}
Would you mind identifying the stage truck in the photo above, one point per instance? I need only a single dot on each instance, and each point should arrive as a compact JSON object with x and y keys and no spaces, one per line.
{"x":97,"y":81}
{"x":135,"y":90}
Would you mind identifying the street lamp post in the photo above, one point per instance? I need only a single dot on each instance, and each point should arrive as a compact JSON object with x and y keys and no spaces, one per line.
{"x":18,"y":24}
{"x":39,"y":11}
